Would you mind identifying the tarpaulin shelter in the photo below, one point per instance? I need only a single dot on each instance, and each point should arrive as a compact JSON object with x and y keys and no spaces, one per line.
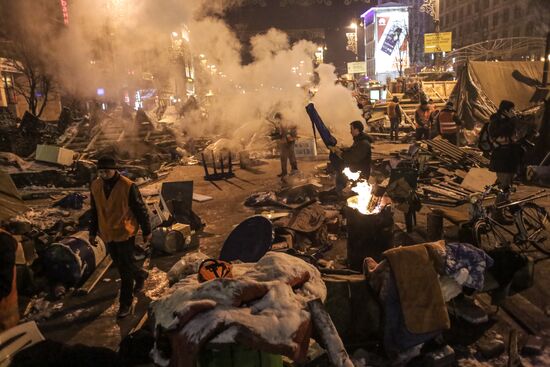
{"x":11,"y":203}
{"x":482,"y":85}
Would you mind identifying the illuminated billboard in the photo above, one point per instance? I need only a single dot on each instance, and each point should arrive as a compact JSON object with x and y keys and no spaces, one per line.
{"x":386,"y":32}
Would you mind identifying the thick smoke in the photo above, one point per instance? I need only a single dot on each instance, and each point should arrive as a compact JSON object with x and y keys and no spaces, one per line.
{"x":135,"y":32}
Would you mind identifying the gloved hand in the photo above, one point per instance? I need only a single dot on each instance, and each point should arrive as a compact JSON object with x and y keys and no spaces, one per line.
{"x":336,"y":150}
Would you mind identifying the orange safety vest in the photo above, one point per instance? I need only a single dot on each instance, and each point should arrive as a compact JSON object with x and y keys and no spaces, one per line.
{"x":447,"y":125}
{"x":116,"y":221}
{"x":9,"y":309}
{"x":392,"y":113}
{"x":424,"y":115}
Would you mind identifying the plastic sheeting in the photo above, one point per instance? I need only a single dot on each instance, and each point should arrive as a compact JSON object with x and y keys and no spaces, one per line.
{"x":482,"y":85}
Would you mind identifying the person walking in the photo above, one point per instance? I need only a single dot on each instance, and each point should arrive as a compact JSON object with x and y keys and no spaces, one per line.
{"x":448,"y":123}
{"x":394,"y":113}
{"x":117,"y":210}
{"x":422,"y":117}
{"x":288,"y":135}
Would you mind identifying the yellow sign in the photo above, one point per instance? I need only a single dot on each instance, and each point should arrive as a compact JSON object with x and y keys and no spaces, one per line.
{"x":357,"y":67}
{"x":437,"y":42}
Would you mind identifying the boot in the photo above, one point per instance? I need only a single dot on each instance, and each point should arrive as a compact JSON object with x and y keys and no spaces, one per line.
{"x":123,"y":311}
{"x":140,"y":282}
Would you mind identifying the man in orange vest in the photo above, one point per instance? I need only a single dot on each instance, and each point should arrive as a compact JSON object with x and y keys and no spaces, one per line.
{"x":117,"y":210}
{"x":422,"y":117}
{"x":394,"y":113}
{"x":448,"y":123}
{"x":9,"y":310}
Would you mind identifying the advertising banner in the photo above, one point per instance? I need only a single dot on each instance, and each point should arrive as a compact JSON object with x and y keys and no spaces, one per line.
{"x":392,"y":49}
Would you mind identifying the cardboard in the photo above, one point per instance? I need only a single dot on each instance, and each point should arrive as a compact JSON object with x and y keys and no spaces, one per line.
{"x":477,"y":178}
{"x":305,"y":148}
{"x":54,"y":154}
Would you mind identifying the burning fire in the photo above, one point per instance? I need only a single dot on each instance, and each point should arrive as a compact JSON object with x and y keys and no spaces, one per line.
{"x":364,"y":202}
{"x":354,"y":176}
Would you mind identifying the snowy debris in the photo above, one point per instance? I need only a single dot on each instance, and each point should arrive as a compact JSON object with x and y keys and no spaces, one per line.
{"x":260,"y":297}
{"x":156,"y":283}
{"x":187,"y":265}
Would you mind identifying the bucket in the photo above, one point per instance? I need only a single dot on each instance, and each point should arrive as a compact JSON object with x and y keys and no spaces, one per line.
{"x":368,"y":235}
{"x":175,"y":239}
{"x":73,"y":259}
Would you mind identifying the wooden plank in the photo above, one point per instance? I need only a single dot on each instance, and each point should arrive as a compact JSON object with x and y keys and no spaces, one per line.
{"x":140,"y":323}
{"x":442,"y":192}
{"x":527,"y":315}
{"x":201,"y":198}
{"x":95,"y":277}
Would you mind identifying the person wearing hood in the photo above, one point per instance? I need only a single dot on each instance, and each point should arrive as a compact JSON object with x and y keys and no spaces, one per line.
{"x":448,"y":123}
{"x":117,"y":211}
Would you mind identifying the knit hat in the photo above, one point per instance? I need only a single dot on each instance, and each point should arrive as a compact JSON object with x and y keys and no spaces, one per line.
{"x":106,"y":162}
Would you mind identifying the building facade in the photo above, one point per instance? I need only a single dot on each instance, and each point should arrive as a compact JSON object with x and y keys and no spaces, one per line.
{"x":474,"y":21}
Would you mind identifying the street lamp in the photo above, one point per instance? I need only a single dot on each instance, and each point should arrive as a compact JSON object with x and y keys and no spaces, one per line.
{"x":353,"y":46}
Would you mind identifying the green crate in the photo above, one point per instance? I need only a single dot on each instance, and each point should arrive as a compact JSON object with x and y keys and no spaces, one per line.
{"x":237,"y":356}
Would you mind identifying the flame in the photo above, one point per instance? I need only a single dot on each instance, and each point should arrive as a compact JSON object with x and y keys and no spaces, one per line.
{"x":354,"y":176}
{"x":363,"y":201}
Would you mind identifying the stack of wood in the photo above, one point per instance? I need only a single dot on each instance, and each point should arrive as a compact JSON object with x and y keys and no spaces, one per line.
{"x":451,"y":155}
{"x":444,"y":192}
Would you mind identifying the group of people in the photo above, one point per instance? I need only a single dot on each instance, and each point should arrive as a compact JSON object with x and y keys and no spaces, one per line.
{"x":429,"y":121}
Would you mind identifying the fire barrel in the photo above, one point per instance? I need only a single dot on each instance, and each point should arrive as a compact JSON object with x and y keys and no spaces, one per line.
{"x":369,"y":235}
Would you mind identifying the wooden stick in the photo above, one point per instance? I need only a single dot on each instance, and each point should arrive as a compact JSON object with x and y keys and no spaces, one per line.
{"x":96,"y":275}
{"x":328,"y":335}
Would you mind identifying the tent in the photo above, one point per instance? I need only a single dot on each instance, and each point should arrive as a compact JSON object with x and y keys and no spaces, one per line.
{"x":11,"y":203}
{"x":482,"y":85}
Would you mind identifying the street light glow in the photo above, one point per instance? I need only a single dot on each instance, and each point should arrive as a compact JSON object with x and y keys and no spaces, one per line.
{"x":353,"y":25}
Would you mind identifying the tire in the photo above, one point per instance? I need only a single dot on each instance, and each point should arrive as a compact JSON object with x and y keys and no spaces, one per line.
{"x":486,"y":237}
{"x":536,"y":221}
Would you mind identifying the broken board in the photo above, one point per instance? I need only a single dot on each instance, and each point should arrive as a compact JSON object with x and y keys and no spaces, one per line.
{"x":89,"y":284}
{"x":527,"y":315}
{"x":54,"y":154}
{"x":201,"y":198}
{"x":477,"y":178}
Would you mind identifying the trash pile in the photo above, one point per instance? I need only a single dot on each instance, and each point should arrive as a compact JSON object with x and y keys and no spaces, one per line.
{"x":261,"y":306}
{"x":22,"y":136}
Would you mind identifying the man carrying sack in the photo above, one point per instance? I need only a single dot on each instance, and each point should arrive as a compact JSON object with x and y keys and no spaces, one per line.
{"x":117,"y":211}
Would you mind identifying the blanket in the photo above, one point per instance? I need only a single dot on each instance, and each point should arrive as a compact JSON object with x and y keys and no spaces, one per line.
{"x":416,"y":278}
{"x":263,"y":307}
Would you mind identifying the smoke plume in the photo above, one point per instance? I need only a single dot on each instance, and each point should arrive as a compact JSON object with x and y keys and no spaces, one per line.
{"x":107,"y":40}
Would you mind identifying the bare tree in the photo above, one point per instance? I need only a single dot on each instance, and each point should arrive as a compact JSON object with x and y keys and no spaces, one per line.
{"x":32,"y":80}
{"x":402,"y":55}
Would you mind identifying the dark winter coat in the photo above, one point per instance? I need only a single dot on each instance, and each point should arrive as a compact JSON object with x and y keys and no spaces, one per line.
{"x":358,"y":156}
{"x":506,"y":155}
